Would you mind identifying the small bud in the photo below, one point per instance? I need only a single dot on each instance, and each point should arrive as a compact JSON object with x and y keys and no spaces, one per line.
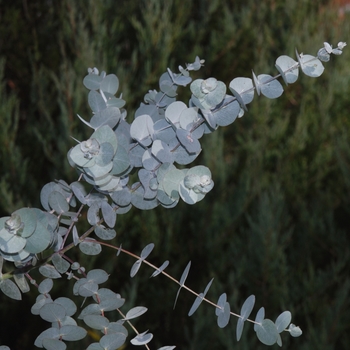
{"x":341,"y":45}
{"x":328,"y":47}
{"x":295,"y":331}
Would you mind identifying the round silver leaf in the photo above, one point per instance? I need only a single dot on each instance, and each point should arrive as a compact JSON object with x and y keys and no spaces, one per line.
{"x":112,"y":341}
{"x":288,"y":68}
{"x":52,"y":312}
{"x":45,"y":286}
{"x":142,"y":339}
{"x":110,"y":84}
{"x":283,"y":320}
{"x":267,"y":332}
{"x":39,"y":240}
{"x":90,"y":248}
{"x":97,"y":275}
{"x":10,"y":289}
{"x":270,"y":87}
{"x":92,"y":81}
{"x":72,"y":333}
{"x":96,"y":101}
{"x":68,"y":304}
{"x":96,"y":321}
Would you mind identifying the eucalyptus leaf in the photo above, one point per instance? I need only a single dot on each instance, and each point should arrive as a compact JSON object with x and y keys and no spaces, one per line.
{"x":138,"y":200}
{"x":167,"y":88}
{"x":58,"y":202}
{"x":90,"y":248}
{"x":224,"y":316}
{"x":147,"y":251}
{"x":267,"y":332}
{"x":50,"y":333}
{"x":67,"y":321}
{"x":135,"y":312}
{"x":136,"y":152}
{"x":49,"y":271}
{"x":142,"y":129}
{"x":310,"y":65}
{"x":93,"y":214}
{"x":96,"y":102}
{"x":106,"y":295}
{"x":188,"y":141}
{"x":121,"y":162}
{"x":288,"y":68}
{"x":105,"y":234}
{"x":96,"y":321}
{"x":122,"y":197}
{"x":45,"y":286}
{"x":247,"y":307}
{"x":111,"y":304}
{"x":29,"y":218}
{"x":163,"y":130}
{"x":149,"y":161}
{"x":10,"y":289}
{"x":52,"y":312}
{"x":110,"y":84}
{"x":173,"y":112}
{"x":196,"y":304}
{"x":97,"y":275}
{"x":182,"y":280}
{"x":60,"y":264}
{"x":160,"y":269}
{"x":243,"y":90}
{"x":162,"y":152}
{"x":182,"y":156}
{"x":239,"y":328}
{"x":87,"y":288}
{"x":76,"y":239}
{"x":150,"y":110}
{"x":109,"y":116}
{"x":221,"y":303}
{"x":115,"y":102}
{"x":45,"y":193}
{"x":108,"y":214}
{"x":68,"y":305}
{"x":185,"y":273}
{"x":171,"y":182}
{"x":92,"y":81}
{"x":135,"y":267}
{"x":199,"y":299}
{"x":10,"y":243}
{"x":92,"y":309}
{"x":95,"y":346}
{"x":115,"y":327}
{"x":112,"y":341}
{"x":259,"y":317}
{"x":21,"y":282}
{"x":283,"y":320}
{"x":142,"y":339}
{"x":268,"y":86}
{"x":72,"y":333}
{"x":54,"y":344}
{"x":228,"y":113}
{"x":39,"y":240}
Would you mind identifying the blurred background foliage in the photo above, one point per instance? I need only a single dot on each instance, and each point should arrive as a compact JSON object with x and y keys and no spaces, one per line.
{"x":276,"y":223}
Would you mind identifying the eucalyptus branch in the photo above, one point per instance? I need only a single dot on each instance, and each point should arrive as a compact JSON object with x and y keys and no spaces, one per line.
{"x":163,"y":133}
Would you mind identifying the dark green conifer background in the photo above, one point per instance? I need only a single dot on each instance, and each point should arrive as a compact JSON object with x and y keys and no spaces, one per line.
{"x":276,"y":223}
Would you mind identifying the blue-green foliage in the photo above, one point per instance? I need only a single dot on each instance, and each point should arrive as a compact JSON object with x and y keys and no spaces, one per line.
{"x":162,"y":139}
{"x":27,"y":232}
